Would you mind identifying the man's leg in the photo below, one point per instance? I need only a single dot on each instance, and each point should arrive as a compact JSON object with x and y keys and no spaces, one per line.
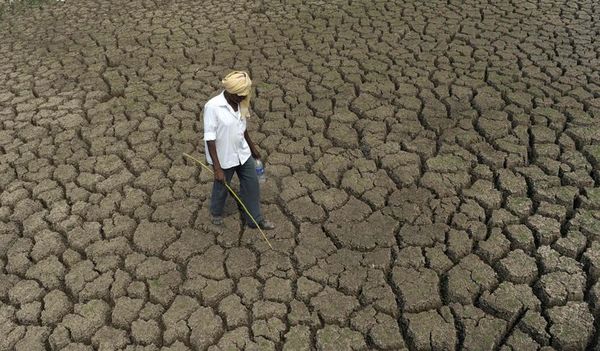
{"x":250,"y":191}
{"x":219,"y":195}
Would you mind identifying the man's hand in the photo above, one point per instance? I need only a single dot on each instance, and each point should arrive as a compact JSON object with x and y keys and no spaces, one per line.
{"x":256,"y":155}
{"x":217,"y":170}
{"x":219,"y":175}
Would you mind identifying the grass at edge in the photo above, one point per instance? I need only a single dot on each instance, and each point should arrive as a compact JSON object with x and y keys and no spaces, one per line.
{"x":19,"y":6}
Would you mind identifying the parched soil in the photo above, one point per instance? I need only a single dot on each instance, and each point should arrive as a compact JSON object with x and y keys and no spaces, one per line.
{"x":433,"y":172}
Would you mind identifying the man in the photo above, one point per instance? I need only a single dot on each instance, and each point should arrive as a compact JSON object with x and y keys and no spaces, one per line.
{"x":229,"y":148}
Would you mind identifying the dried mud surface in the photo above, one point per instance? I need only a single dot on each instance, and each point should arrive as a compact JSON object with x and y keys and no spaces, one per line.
{"x":433,"y":173}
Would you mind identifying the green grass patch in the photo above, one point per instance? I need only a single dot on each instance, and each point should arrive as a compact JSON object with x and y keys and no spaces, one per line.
{"x":266,"y":86}
{"x":20,"y":6}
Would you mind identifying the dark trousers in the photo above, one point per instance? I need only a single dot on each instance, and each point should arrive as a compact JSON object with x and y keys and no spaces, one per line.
{"x":249,"y":191}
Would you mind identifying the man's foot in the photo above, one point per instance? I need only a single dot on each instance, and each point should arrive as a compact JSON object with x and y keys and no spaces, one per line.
{"x":264,"y":225}
{"x":217,"y":220}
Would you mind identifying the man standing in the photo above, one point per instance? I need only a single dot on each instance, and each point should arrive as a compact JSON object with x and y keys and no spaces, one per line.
{"x":229,"y":148}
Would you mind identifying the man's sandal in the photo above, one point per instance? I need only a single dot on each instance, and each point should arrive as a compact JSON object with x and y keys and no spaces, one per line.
{"x":217,"y":220}
{"x":264,"y":225}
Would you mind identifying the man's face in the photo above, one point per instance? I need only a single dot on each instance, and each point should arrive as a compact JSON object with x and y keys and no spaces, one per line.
{"x":236,"y":99}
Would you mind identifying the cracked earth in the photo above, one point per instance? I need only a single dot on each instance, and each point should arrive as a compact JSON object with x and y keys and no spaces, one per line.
{"x":433,"y":174}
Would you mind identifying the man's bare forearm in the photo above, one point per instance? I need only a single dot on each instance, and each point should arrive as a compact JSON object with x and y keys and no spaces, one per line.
{"x":253,"y":148}
{"x":212,"y":150}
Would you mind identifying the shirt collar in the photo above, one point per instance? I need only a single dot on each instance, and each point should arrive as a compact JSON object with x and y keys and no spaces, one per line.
{"x":221,"y":101}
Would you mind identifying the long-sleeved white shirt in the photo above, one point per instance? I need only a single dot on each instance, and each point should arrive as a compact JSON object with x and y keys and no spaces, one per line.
{"x":226,"y":127}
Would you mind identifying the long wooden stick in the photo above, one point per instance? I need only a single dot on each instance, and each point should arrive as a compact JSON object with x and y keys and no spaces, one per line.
{"x":235,"y":195}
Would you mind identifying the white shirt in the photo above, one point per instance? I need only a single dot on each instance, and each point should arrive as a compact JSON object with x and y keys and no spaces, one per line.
{"x":226,"y":127}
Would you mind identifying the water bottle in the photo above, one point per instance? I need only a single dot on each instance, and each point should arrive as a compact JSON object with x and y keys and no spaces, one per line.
{"x":260,"y":171}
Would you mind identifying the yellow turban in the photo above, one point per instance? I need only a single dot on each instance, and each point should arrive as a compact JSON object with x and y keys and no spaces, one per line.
{"x":239,"y":83}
